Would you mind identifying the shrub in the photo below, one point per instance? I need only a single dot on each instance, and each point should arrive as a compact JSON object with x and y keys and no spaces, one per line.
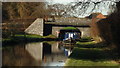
{"x":86,"y":39}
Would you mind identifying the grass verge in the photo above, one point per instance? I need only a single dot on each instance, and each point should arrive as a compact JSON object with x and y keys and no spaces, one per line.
{"x":91,"y":54}
{"x":27,"y":38}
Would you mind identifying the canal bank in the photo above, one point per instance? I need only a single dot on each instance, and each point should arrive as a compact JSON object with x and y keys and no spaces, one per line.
{"x":92,"y":54}
{"x":21,"y":38}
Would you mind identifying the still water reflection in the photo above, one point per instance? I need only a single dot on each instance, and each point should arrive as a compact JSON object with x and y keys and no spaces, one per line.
{"x":36,"y":54}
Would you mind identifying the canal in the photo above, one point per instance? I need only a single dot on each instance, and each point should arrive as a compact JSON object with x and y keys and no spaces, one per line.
{"x":36,"y":54}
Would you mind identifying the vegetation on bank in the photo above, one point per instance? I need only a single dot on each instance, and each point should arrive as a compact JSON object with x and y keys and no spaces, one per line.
{"x":35,"y":36}
{"x":26,"y":38}
{"x":92,"y":54}
{"x":86,"y":39}
{"x":69,"y":28}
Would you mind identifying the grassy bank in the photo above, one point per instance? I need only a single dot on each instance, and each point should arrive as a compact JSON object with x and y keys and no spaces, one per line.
{"x":91,"y":54}
{"x":69,"y":28}
{"x":27,"y":38}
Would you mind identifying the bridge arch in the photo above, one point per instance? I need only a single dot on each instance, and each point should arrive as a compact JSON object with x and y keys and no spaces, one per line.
{"x":69,"y":32}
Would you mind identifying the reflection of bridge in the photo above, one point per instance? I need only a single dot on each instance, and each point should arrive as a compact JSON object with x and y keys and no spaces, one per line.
{"x":41,"y":27}
{"x":46,"y":52}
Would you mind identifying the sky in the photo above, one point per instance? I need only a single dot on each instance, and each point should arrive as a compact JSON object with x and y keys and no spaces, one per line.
{"x":68,"y":1}
{"x":60,"y":1}
{"x":103,"y":8}
{"x":63,"y":1}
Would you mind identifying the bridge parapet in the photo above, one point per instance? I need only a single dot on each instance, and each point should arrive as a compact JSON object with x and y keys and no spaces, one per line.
{"x":71,"y":21}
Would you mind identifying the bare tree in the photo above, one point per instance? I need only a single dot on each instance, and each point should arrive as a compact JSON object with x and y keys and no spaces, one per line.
{"x":41,"y":10}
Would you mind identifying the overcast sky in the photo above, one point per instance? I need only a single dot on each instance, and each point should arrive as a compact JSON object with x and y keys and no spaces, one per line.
{"x":103,"y":7}
{"x":60,"y":1}
{"x":63,"y":1}
{"x":68,"y":1}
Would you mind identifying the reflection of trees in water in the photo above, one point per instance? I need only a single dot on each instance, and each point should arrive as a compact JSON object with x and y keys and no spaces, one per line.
{"x":46,"y":48}
{"x":18,"y":56}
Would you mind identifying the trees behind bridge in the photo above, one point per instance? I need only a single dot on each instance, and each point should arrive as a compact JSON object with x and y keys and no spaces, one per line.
{"x":22,"y":10}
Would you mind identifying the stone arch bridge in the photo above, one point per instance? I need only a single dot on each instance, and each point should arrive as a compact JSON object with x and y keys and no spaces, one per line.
{"x":43,"y":27}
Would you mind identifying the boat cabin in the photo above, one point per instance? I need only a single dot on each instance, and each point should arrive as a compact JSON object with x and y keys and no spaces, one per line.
{"x":71,"y":35}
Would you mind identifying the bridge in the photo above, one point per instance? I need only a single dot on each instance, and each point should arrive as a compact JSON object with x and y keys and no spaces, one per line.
{"x":46,"y":27}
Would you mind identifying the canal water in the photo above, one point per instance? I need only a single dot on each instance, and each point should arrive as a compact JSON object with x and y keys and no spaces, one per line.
{"x":36,"y":54}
